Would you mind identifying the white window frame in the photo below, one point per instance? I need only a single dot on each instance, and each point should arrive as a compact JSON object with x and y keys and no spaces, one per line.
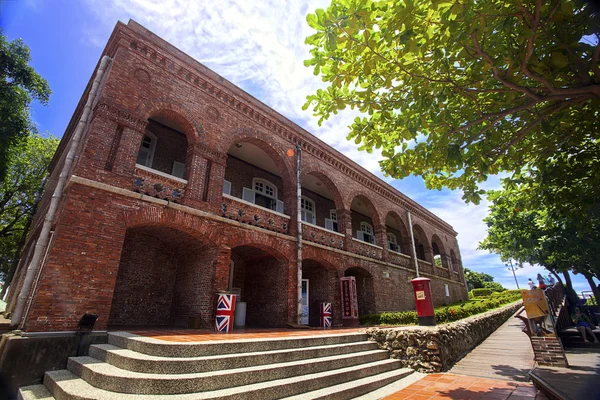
{"x":265,"y":183}
{"x":226,"y":187}
{"x":150,"y":157}
{"x":305,"y":212}
{"x":367,"y":228}
{"x":331,"y":222}
{"x":391,"y":240}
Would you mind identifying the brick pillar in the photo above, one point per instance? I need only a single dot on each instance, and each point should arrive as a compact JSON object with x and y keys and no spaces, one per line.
{"x":222,"y":268}
{"x":381,"y":239}
{"x":344,"y":220}
{"x":292,"y":295}
{"x":214,"y":195}
{"x":195,"y":171}
{"x":429,"y":254}
{"x":549,"y":351}
{"x":447,"y":263}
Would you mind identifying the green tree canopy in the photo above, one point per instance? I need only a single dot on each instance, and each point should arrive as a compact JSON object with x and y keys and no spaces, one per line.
{"x":27,"y":166}
{"x":477,"y":280}
{"x":455,"y":91}
{"x":19,"y":85}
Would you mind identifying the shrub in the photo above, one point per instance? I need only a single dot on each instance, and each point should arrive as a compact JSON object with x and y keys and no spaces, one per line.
{"x":447,"y":313}
{"x":481,"y":292}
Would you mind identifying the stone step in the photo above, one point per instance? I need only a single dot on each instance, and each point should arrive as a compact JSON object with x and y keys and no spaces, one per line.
{"x":353,"y":389}
{"x":34,"y":392}
{"x":139,"y":362}
{"x":163,"y":348}
{"x":64,"y":385}
{"x":111,"y":378}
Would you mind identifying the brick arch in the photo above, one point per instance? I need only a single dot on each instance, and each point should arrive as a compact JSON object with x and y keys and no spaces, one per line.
{"x":375,"y":217}
{"x":439,"y":243}
{"x":330,"y":185}
{"x":269,"y":244}
{"x":277,"y":155}
{"x":420,"y":234}
{"x":159,"y":216}
{"x":177,"y":112}
{"x":402,"y":226}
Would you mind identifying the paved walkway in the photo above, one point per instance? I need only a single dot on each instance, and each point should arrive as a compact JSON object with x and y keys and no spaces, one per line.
{"x":452,"y":386}
{"x":506,"y":354}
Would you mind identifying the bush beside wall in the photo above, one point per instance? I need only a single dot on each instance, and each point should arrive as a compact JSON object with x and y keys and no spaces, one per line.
{"x":437,"y":348}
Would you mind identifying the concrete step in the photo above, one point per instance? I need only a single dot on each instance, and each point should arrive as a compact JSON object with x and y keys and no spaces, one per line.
{"x":111,"y":378}
{"x":64,"y":385}
{"x":34,"y":392}
{"x":138,"y":362}
{"x":359,"y":387}
{"x":162,"y":348}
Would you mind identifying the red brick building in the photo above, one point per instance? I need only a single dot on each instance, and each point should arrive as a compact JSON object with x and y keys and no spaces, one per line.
{"x":184,"y":185}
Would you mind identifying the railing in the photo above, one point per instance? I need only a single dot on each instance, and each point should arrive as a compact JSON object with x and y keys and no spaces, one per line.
{"x":158,"y":184}
{"x":251,"y":214}
{"x":425,"y":266}
{"x":557,"y":305}
{"x":317,"y":234}
{"x":400,"y":259}
{"x":366,"y":249}
{"x":442,"y":271}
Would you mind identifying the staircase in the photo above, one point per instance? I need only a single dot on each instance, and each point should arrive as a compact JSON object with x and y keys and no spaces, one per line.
{"x":131,"y":367}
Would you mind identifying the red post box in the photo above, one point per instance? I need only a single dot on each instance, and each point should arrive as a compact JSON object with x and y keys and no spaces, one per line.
{"x":423,"y":301}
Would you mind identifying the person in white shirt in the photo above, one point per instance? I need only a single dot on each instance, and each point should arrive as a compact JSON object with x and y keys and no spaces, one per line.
{"x":530,"y":283}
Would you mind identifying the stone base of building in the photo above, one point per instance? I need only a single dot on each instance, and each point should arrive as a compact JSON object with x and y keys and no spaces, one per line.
{"x":25,"y":358}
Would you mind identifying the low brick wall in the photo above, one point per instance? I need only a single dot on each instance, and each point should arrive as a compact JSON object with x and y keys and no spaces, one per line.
{"x":437,"y":348}
{"x":549,"y":351}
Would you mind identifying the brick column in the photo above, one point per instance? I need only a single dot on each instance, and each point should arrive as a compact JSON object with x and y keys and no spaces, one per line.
{"x":447,"y":262}
{"x":195,"y":171}
{"x":344,"y":221}
{"x":381,"y":239}
{"x":429,"y":254}
{"x":222,"y":268}
{"x":549,"y":351}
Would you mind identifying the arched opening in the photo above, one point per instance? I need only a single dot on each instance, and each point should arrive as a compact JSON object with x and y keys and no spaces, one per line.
{"x":397,"y":235}
{"x":364,"y":289}
{"x":319,"y":206}
{"x":165,"y":277}
{"x":323,"y":287}
{"x":453,"y":261}
{"x":260,"y":279}
{"x":254,"y":176}
{"x":421,"y":245}
{"x":363,"y":220}
{"x":164,"y":148}
{"x":438,"y":251}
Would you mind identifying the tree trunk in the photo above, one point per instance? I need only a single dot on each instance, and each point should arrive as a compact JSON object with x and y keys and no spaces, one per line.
{"x":569,"y":292}
{"x":590,"y":280}
{"x":568,"y":281}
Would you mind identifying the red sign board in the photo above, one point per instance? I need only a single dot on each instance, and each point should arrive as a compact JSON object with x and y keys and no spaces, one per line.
{"x":349,"y":298}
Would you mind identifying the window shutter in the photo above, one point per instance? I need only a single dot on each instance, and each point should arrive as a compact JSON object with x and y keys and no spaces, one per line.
{"x":248,"y":195}
{"x":329,"y":224}
{"x":226,"y":187}
{"x":360,"y":235}
{"x":279,"y":208}
{"x":178,"y":169}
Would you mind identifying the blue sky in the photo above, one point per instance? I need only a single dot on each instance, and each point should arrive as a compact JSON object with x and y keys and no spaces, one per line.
{"x":258,"y":46}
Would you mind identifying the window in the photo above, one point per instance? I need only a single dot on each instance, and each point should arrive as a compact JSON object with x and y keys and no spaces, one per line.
{"x":307,"y":210}
{"x":147,"y":148}
{"x":226,"y":187}
{"x":178,"y":169}
{"x":263,"y":194}
{"x":392,"y":242}
{"x":331,"y":222}
{"x":437,"y":260}
{"x":366,"y":233}
{"x":447,"y":290}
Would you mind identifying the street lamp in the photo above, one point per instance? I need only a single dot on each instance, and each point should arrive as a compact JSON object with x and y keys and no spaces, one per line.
{"x":512,"y":268}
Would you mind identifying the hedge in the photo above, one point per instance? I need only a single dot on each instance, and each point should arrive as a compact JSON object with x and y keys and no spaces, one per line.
{"x":482,"y":292}
{"x":444,"y":314}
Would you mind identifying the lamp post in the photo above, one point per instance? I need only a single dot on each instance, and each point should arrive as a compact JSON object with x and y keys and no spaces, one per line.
{"x":512,"y":268}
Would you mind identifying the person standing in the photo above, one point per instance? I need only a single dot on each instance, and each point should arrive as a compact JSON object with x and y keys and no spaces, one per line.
{"x":531,"y":285}
{"x":541,"y":283}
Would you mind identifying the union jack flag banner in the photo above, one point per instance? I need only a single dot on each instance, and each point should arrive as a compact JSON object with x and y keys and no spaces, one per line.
{"x":225,"y":312}
{"x":325,"y":315}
